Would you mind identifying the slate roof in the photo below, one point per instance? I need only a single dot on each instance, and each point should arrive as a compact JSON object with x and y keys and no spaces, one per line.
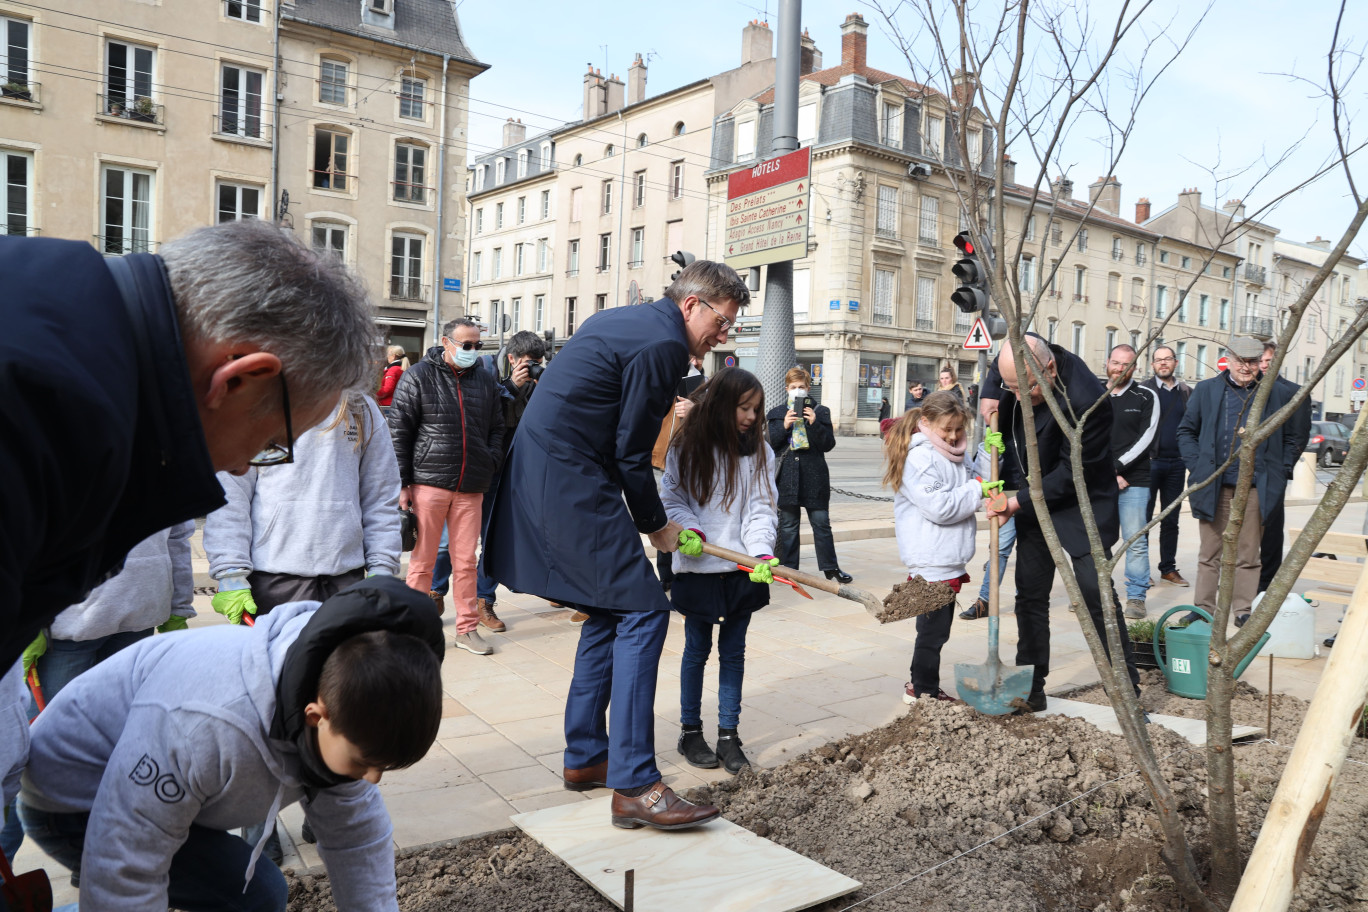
{"x":430,"y":26}
{"x":833,"y":75}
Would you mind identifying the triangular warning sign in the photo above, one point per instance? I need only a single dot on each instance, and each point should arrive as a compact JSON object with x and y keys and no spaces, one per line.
{"x":978,"y":338}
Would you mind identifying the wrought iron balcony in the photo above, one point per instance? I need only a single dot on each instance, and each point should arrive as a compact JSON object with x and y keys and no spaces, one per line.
{"x":138,"y":109}
{"x":119,"y":244}
{"x":1259,"y":327}
{"x":402,"y":289}
{"x":1255,"y":273}
{"x":241,"y":126}
{"x":406,"y":192}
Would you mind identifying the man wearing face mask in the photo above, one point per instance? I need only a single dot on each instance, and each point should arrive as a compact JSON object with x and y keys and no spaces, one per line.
{"x":448,"y":427}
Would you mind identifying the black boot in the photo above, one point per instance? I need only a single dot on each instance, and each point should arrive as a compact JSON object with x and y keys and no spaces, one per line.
{"x":729,"y":750}
{"x":839,"y":576}
{"x":694,"y":748}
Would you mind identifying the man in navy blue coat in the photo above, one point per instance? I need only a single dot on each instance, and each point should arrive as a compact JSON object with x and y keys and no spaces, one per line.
{"x":578,"y":494}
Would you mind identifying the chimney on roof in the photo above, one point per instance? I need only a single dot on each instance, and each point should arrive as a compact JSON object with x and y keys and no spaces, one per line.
{"x":616,"y":92}
{"x":809,"y":58}
{"x":514,"y":132}
{"x":595,"y":95}
{"x":636,"y":81}
{"x":1142,"y":210}
{"x":757,"y":42}
{"x":1319,"y":243}
{"x":1236,"y":208}
{"x":963,"y":88}
{"x":1191,"y":199}
{"x":1063,"y":188}
{"x":854,"y":43}
{"x":1008,"y":169}
{"x":1105,"y":194}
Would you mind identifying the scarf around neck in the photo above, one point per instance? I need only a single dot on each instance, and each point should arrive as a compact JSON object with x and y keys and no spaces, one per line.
{"x":952,"y":453}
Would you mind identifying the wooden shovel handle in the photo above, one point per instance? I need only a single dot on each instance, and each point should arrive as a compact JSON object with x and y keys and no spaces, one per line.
{"x":798,"y":576}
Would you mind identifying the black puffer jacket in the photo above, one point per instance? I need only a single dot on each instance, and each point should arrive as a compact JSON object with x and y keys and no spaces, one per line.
{"x":448,"y":428}
{"x":803,"y":479}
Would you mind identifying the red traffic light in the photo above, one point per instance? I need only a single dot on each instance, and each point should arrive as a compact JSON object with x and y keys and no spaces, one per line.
{"x":965,"y":243}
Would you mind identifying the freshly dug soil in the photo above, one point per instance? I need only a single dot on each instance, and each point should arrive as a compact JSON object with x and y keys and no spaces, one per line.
{"x":912,"y":598}
{"x":894,"y":807}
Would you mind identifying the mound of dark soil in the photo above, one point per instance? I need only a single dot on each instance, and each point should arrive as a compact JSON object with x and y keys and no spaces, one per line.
{"x":912,"y":598}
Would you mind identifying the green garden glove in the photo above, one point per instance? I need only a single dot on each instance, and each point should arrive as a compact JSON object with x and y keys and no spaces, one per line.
{"x":233,"y":603}
{"x":173,"y":623}
{"x":34,"y":650}
{"x":990,"y":487}
{"x":690,"y":543}
{"x":993,"y":439}
{"x":764,"y":571}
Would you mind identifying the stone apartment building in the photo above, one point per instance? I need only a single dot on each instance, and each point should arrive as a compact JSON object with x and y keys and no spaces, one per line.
{"x":126,"y":123}
{"x":1334,"y":306}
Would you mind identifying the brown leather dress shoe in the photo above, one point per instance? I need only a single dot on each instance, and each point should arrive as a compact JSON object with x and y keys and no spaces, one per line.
{"x":1174,"y":577}
{"x":660,"y":808}
{"x":586,"y":779}
{"x":488,"y":619}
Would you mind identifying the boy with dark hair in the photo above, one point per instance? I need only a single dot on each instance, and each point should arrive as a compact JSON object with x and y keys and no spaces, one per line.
{"x":141,"y":766}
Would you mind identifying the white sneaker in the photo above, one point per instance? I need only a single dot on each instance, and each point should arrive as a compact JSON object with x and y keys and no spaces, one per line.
{"x":471,"y":642}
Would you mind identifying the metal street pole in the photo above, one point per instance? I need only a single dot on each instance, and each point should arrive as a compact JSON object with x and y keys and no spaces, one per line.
{"x":777,"y":353}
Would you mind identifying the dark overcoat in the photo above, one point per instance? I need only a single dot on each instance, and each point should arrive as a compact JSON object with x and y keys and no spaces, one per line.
{"x":100,"y":437}
{"x":1274,"y":459}
{"x":802,"y":479}
{"x":1076,"y":388}
{"x":578,"y":489}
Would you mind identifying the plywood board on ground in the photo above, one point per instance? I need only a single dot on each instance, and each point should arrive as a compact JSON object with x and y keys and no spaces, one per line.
{"x":1104,"y":717}
{"x":718,"y":866}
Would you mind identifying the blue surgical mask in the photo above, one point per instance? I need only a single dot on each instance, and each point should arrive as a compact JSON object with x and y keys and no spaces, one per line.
{"x":464,"y":358}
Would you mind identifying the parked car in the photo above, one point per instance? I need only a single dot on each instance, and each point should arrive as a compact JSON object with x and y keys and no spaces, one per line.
{"x":1329,"y":441}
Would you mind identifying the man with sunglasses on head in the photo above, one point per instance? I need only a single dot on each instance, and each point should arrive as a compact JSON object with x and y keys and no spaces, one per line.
{"x":448,"y":427}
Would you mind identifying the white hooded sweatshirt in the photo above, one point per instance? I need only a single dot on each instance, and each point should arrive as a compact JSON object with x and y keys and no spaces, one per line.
{"x":933,"y":513}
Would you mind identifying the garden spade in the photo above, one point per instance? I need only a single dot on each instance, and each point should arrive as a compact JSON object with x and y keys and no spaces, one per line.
{"x":992,"y":688}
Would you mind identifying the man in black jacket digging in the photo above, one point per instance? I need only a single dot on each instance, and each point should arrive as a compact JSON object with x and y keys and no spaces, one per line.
{"x":1076,"y":389}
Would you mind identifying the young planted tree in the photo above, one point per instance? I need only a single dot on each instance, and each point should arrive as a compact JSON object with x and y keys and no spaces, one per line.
{"x":1042,"y":75}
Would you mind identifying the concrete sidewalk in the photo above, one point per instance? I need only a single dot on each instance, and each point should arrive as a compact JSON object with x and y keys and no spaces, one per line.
{"x":815,"y":670}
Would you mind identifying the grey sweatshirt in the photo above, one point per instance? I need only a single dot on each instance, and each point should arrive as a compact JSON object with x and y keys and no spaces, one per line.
{"x":933,"y":513}
{"x":749,"y":526}
{"x":334,"y":509}
{"x":173,"y":731}
{"x":156,"y":582}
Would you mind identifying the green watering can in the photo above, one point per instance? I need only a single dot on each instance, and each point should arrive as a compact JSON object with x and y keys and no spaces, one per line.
{"x":1185,"y":667}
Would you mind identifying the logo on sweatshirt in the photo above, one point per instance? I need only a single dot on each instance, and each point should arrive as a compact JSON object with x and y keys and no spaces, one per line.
{"x":164,"y":785}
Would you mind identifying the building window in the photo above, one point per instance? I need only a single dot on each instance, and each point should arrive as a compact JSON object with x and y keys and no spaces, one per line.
{"x":607,"y":197}
{"x":1160,"y":301}
{"x":891,"y":124}
{"x":126,"y":211}
{"x":383,"y":7}
{"x":522,"y":163}
{"x":1139,"y":254}
{"x":18,"y":197}
{"x":330,"y":159}
{"x":676,"y":180}
{"x":745,"y":140}
{"x":888,"y":212}
{"x":332,"y":81}
{"x":1187,"y":262}
{"x":543,"y":255}
{"x":539,"y":312}
{"x":522,"y":209}
{"x":802,"y":294}
{"x":410,"y":173}
{"x":128,"y":76}
{"x":639,"y":190}
{"x":608,"y":151}
{"x":498,"y":216}
{"x":1224,"y":315}
{"x":807,"y":123}
{"x":638,"y":247}
{"x":1201,"y":362}
{"x":1111,"y":338}
{"x":406,"y":267}
{"x":677,"y":131}
{"x":412,"y":92}
{"x":926,"y":302}
{"x":1117,"y":253}
{"x":14,"y":59}
{"x":575,"y":204}
{"x":518,"y":258}
{"x":884,"y":295}
{"x":246,"y":10}
{"x":927,"y":223}
{"x":1082,"y":239}
{"x":476,"y":266}
{"x":1182,"y":359}
{"x":329,"y":237}
{"x":1182,"y":307}
{"x":578,"y":161}
{"x":1078,"y":339}
{"x":642,"y":141}
{"x":1204,"y":310}
{"x":975,"y":142}
{"x":1029,"y":230}
{"x":1135,"y":339}
{"x":1163,"y":257}
{"x":600,"y":302}
{"x":480,"y":171}
{"x":517,"y":314}
{"x":674,"y":236}
{"x":546,"y":204}
{"x":605,"y":246}
{"x":933,"y":136}
{"x":1225,"y":272}
{"x":500,"y":166}
{"x":572,"y":259}
{"x":479,"y":220}
{"x":240,"y":102}
{"x":496,"y":263}
{"x":570,"y":316}
{"x":238,"y":201}
{"x":1026,"y":271}
{"x":1052,"y":330}
{"x":546,"y":156}
{"x":1080,"y":283}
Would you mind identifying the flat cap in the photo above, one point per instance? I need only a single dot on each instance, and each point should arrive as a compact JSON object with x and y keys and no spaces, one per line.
{"x":1246,"y":347}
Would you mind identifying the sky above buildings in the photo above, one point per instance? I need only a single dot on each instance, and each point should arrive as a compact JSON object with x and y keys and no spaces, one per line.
{"x":1228,"y":108}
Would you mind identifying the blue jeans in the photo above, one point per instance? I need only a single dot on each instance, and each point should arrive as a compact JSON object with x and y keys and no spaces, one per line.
{"x":1132,"y":505}
{"x":731,"y":661}
{"x":206,"y":871}
{"x":1006,"y":539}
{"x":485,"y":586}
{"x":66,"y":659}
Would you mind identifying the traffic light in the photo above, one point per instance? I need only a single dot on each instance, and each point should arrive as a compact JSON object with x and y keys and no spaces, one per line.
{"x":972,"y":294}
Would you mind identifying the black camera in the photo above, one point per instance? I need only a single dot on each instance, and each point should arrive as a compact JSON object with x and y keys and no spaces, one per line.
{"x":534,"y":371}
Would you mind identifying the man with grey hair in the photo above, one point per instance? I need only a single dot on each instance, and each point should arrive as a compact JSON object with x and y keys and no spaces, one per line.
{"x":129,"y":381}
{"x":568,"y":524}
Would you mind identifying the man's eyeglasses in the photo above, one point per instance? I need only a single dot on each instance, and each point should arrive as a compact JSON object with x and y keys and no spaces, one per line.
{"x":466,"y":346}
{"x":1164,"y":360}
{"x":275,"y":454}
{"x":723,"y":324}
